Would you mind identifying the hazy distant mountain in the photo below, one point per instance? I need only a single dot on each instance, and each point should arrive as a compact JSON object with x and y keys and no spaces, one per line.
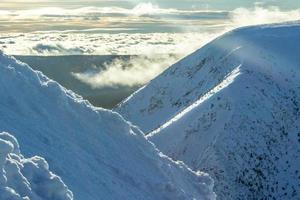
{"x":231,"y":109}
{"x":95,"y":151}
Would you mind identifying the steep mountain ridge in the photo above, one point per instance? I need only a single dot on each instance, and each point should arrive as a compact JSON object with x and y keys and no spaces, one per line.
{"x":189,"y":79}
{"x":95,"y":151}
{"x":231,"y":109}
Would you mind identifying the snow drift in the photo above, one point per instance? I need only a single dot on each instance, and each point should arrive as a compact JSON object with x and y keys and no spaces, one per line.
{"x":231,"y":109}
{"x":95,"y":152}
{"x":27,"y":178}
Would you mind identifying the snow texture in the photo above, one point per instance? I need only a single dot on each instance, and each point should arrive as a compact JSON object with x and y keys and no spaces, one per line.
{"x":27,"y":178}
{"x":231,"y":109}
{"x":95,"y":151}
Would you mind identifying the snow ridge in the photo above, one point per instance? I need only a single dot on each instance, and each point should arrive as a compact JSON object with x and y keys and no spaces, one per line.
{"x":96,"y":152}
{"x":227,"y":81}
{"x":245,"y":135}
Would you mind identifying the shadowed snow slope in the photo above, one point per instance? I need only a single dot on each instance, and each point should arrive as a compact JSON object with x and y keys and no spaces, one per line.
{"x":231,"y":109}
{"x":95,"y":151}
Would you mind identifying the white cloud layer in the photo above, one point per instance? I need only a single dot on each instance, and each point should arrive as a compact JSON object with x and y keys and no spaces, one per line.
{"x":190,"y":35}
{"x":133,"y":72}
{"x":56,"y":18}
{"x":101,"y":44}
{"x":129,"y":41}
{"x":260,"y":15}
{"x":145,"y":8}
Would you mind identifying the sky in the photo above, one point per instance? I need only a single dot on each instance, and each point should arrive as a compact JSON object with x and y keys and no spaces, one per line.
{"x":183,"y":4}
{"x":114,"y":16}
{"x":114,"y":27}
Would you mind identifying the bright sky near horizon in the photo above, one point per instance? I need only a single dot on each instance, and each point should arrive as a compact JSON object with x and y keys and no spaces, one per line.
{"x":182,"y":4}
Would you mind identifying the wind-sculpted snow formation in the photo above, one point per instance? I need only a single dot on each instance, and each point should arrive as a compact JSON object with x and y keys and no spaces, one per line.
{"x":231,"y":109}
{"x":95,"y":151}
{"x":27,"y":178}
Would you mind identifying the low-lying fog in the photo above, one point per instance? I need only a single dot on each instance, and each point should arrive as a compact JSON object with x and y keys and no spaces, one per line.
{"x":103,"y":80}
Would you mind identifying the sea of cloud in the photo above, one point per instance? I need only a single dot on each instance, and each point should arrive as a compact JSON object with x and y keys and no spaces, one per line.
{"x":125,"y":34}
{"x":193,"y":29}
{"x":47,"y":44}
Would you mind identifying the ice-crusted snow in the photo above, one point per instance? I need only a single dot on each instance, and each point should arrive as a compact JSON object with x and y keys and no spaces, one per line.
{"x":231,"y":109}
{"x":27,"y":178}
{"x":95,"y":151}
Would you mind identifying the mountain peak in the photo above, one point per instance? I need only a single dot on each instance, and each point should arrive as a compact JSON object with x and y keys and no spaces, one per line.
{"x":231,"y":109}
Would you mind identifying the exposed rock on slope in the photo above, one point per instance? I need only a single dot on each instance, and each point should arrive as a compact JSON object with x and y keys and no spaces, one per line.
{"x":95,"y":151}
{"x":231,"y":109}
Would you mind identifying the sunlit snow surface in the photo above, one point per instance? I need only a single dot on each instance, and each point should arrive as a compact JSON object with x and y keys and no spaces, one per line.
{"x":231,"y":109}
{"x":95,"y":151}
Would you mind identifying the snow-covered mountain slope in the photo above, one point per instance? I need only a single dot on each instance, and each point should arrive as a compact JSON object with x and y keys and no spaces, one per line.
{"x":232,"y":109}
{"x":30,"y":178}
{"x":95,"y":152}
